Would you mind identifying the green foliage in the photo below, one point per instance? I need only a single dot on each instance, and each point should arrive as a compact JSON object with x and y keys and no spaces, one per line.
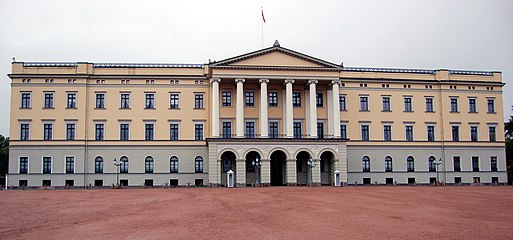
{"x":4,"y":155}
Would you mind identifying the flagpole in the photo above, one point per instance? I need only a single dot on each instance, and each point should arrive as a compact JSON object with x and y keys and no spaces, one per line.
{"x":262,"y":8}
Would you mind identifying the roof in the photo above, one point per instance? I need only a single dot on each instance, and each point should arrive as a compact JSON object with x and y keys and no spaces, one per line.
{"x":113,"y":65}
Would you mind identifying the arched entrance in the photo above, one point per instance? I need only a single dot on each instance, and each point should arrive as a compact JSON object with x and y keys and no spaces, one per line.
{"x":278,"y":168}
{"x":303,"y":170}
{"x":227,"y":164}
{"x":327,"y":159}
{"x":253,"y":175}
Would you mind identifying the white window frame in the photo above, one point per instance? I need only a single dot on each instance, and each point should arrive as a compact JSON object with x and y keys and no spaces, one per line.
{"x":74,"y":165}
{"x":51,"y":164}
{"x":28,"y":164}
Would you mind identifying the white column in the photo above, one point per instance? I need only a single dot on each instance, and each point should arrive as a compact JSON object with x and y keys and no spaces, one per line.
{"x":335,"y":91}
{"x":264,"y":129}
{"x":289,"y":110}
{"x":239,"y":115}
{"x":313,"y":108}
{"x":215,"y":107}
{"x":291,"y":171}
{"x":316,"y":172}
{"x":265,"y":171}
{"x":240,"y":174}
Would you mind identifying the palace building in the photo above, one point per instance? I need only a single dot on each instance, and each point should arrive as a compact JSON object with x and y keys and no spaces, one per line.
{"x":274,"y":116}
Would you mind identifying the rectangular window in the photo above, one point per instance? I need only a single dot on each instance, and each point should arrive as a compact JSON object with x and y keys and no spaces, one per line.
{"x":125,"y":100}
{"x":431,"y":133}
{"x":297,"y":130}
{"x":493,"y":164}
{"x":227,"y":129}
{"x":198,"y":101}
{"x":174,"y":101}
{"x":342,"y":102}
{"x":273,"y":99}
{"x":70,"y":131}
{"x":226,"y":98}
{"x":23,"y":165}
{"x":124,"y":131}
{"x":491,"y":105}
{"x":432,"y":165}
{"x":25,"y":100}
{"x":173,"y":165}
{"x":70,"y":164}
{"x":409,"y":133}
{"x":386,"y":104}
{"x":407,"y":104}
{"x":343,"y":131}
{"x":472,"y":105}
{"x":387,"y":133}
{"x":273,"y":130}
{"x":150,"y":101}
{"x":296,"y":99}
{"x":123,"y":168}
{"x":319,"y":100}
{"x":454,"y":105}
{"x":429,"y":104}
{"x":249,"y":99}
{"x":47,"y":165}
{"x":24,"y":131}
{"x":100,"y":100}
{"x":250,"y":130}
{"x":48,"y":100}
{"x":457,"y":163}
{"x":173,"y":131}
{"x":473,"y":133}
{"x":198,"y":165}
{"x":149,"y":129}
{"x":366,"y":164}
{"x":455,"y":133}
{"x":475,"y":164}
{"x":320,"y":130}
{"x":365,"y":132}
{"x":364,"y":104}
{"x":388,"y":164}
{"x":491,"y":134}
{"x":410,"y":164}
{"x":99,"y":131}
{"x":198,"y":131}
{"x":47,"y":131}
{"x":72,"y":100}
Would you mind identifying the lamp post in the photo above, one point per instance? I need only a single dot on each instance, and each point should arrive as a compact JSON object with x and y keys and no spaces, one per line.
{"x":118,"y":166}
{"x":311,"y":163}
{"x":436,"y":164}
{"x":257,"y":163}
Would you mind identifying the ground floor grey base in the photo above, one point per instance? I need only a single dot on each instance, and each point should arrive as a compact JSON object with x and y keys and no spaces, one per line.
{"x":289,"y":163}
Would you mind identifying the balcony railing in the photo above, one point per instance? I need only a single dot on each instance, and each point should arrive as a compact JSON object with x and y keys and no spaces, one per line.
{"x":278,"y":136}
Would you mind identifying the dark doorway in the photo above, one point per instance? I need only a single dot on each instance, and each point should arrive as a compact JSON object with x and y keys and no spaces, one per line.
{"x":277,"y":168}
{"x":326,"y":165}
{"x":253,"y":168}
{"x":302,"y":168}
{"x":227,"y":164}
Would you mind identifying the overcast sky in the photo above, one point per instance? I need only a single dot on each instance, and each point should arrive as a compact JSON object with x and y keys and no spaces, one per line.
{"x":474,"y":35}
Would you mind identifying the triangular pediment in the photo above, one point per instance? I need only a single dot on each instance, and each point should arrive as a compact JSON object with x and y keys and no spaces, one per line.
{"x":275,"y":56}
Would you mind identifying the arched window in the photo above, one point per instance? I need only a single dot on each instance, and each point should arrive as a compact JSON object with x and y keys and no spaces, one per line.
{"x":431,"y":162}
{"x":173,"y":164}
{"x":98,"y":165}
{"x":198,"y":164}
{"x":123,"y":168}
{"x":388,"y":164}
{"x":410,"y":164}
{"x":148,"y":165}
{"x":366,"y":164}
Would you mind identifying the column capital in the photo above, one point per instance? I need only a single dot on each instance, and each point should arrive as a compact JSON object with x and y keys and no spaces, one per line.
{"x":312,"y":81}
{"x":263,"y":80}
{"x":335,"y":82}
{"x":213,"y":80}
{"x":289,"y":81}
{"x":242,"y":80}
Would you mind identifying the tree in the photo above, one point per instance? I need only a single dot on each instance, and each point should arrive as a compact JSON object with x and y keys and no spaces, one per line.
{"x":4,"y":155}
{"x":509,"y":148}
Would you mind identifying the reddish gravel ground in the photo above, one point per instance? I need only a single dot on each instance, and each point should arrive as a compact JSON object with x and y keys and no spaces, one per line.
{"x":483,"y":212}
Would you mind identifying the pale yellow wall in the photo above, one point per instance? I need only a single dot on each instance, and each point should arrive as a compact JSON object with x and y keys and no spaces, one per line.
{"x":276,"y":59}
